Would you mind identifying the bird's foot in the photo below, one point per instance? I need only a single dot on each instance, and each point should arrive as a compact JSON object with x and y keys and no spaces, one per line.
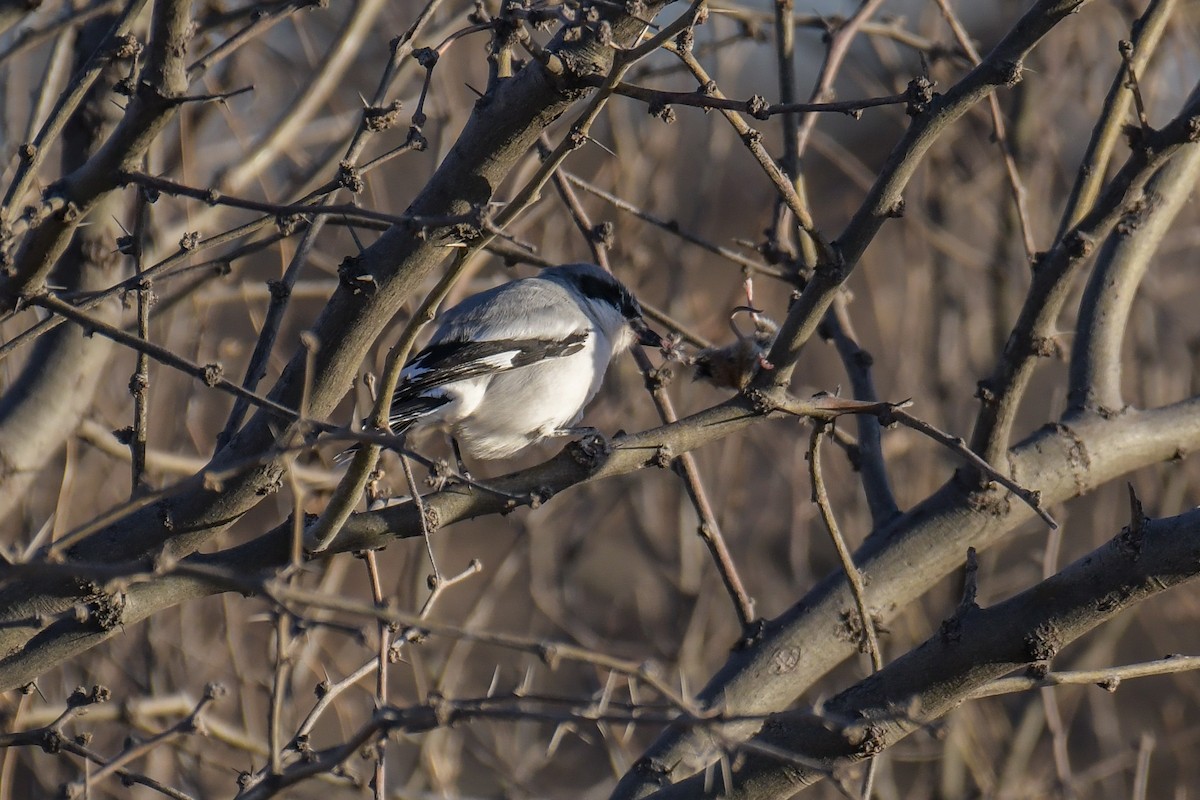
{"x":592,"y":448}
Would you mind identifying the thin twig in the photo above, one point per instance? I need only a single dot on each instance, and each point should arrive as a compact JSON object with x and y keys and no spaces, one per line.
{"x":279,"y":689}
{"x":68,"y":101}
{"x":155,"y":273}
{"x":1106,"y":134}
{"x":435,"y":579}
{"x":753,"y":141}
{"x":1030,"y":497}
{"x":1109,"y":678}
{"x":756,"y":106}
{"x":281,"y":292}
{"x":853,"y":576}
{"x":839,"y":46}
{"x":381,"y":674}
{"x":685,"y":465}
{"x":139,"y":384}
{"x":210,"y":374}
{"x":1016,"y":185}
{"x":673,"y":227}
{"x":871,"y":467}
{"x":192,"y":723}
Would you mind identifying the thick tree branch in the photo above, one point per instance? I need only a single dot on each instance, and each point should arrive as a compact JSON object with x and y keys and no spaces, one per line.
{"x":1002,"y":67}
{"x":373,"y":286}
{"x":972,"y":649}
{"x":1000,"y":395}
{"x":798,"y":647}
{"x":1147,"y":31}
{"x":41,"y":407}
{"x":1095,"y":376}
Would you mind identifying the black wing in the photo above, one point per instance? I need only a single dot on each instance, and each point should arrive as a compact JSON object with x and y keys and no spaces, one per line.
{"x":447,"y":362}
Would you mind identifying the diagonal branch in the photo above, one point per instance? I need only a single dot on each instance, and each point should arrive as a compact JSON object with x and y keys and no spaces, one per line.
{"x":1001,"y":67}
{"x":1000,"y":395}
{"x":969,"y":652}
{"x":1095,"y":376}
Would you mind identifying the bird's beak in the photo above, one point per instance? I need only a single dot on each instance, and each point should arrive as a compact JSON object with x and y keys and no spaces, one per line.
{"x":646,"y":336}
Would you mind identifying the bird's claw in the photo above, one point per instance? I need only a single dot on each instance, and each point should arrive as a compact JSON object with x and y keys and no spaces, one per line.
{"x":592,"y":449}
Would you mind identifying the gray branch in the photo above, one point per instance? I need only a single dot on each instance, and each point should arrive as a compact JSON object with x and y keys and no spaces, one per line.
{"x":972,"y":648}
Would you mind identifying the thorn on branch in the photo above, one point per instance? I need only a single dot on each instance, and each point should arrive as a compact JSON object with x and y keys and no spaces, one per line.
{"x":1133,"y":535}
{"x":970,"y":584}
{"x":219,"y":97}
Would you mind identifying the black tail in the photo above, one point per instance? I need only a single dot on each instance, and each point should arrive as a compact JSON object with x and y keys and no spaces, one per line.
{"x":407,"y":410}
{"x":403,"y":415}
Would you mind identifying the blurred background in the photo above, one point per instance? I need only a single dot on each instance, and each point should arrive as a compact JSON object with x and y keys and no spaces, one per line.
{"x":616,"y":566}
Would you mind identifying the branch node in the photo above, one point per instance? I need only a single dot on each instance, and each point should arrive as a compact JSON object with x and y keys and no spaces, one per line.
{"x":658,"y":108}
{"x":279,"y":290}
{"x":758,"y":107}
{"x":1011,"y":72}
{"x":662,"y":457}
{"x":212,"y":374}
{"x":126,"y":46}
{"x":381,"y":118}
{"x":427,"y":57}
{"x":918,"y":96}
{"x":1043,"y":643}
{"x":1078,"y":244}
{"x":350,"y":177}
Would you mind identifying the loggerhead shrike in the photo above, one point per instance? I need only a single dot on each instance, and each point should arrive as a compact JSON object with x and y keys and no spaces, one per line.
{"x":513,"y":365}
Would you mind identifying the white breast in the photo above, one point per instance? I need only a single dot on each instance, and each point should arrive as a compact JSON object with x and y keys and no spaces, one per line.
{"x":525,"y":405}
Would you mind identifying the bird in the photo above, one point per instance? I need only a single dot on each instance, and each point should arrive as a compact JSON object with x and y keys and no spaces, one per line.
{"x":516,"y":364}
